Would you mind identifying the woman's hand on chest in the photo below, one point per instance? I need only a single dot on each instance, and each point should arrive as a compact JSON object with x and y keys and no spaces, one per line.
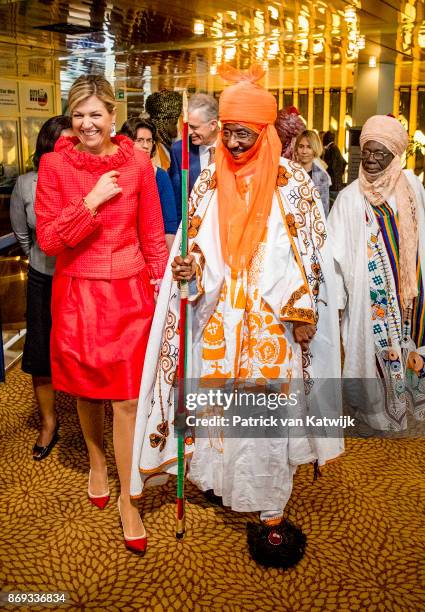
{"x":105,"y":189}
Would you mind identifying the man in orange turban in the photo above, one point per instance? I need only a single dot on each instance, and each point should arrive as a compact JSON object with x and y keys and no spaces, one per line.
{"x":260,"y":272}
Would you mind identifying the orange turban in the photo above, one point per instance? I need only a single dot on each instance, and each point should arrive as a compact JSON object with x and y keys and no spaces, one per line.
{"x":246,"y":102}
{"x":242,"y":227}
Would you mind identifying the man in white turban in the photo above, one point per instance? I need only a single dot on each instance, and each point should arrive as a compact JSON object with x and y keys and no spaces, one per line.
{"x":377,"y":228}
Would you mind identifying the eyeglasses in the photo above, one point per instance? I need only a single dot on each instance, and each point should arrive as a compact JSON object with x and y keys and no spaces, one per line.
{"x":148,"y":141}
{"x":239,"y":135}
{"x":377,"y":155}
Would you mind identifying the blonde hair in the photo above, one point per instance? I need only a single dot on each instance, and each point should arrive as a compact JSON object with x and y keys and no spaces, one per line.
{"x":313,"y":140}
{"x":91,"y":85}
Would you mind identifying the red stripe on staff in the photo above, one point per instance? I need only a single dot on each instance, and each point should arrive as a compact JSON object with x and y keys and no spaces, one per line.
{"x":185,"y":149}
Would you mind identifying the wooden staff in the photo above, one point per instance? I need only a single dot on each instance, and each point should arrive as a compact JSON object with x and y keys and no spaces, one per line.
{"x":183,"y":348}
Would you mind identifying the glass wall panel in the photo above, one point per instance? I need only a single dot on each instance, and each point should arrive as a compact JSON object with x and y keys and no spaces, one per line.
{"x":13,"y":286}
{"x":318,"y":108}
{"x":288,"y":98}
{"x":420,"y":117}
{"x":404,"y":106}
{"x":13,"y":276}
{"x":349,"y":103}
{"x":9,"y":169}
{"x":335,"y":99}
{"x":303,"y":103}
{"x":420,"y":134}
{"x":30,"y":129}
{"x":275,"y":93}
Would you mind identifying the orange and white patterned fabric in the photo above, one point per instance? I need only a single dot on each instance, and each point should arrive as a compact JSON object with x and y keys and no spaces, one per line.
{"x":241,"y":327}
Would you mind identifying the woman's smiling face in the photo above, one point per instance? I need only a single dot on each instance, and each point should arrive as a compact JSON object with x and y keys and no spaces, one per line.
{"x":92,"y":123}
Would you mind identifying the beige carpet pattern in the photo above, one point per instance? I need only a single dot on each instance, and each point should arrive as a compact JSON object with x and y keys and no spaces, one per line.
{"x":364,"y":520}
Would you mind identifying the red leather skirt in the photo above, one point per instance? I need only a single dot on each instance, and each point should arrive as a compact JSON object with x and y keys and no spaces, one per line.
{"x":100,"y":330}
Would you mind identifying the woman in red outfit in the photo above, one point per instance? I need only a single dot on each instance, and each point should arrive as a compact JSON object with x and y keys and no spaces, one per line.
{"x":98,"y":211}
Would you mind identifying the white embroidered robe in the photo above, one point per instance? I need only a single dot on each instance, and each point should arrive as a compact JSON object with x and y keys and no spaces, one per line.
{"x":348,"y":233}
{"x":293,"y":274}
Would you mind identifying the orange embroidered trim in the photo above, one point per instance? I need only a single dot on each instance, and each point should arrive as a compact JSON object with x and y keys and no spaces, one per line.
{"x":213,"y":181}
{"x":283,"y":176}
{"x":290,"y":313}
{"x":164,"y":463}
{"x":199,"y":271}
{"x":292,"y":225}
{"x":296,"y":314}
{"x":273,"y":522}
{"x":194,"y":225}
{"x":291,"y":238}
{"x":304,"y":315}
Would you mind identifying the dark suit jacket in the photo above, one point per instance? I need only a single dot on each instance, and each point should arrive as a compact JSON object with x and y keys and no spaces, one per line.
{"x":336,"y":166}
{"x":175,"y":171}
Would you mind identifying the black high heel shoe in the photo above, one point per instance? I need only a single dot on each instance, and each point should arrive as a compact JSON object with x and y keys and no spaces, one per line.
{"x":41,"y":452}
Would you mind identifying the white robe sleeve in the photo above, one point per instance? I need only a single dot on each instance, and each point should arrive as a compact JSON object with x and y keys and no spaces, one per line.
{"x":338,"y":240}
{"x":419,"y":190}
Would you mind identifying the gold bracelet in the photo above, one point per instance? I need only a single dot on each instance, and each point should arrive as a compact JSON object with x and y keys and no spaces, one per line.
{"x":92,"y":212}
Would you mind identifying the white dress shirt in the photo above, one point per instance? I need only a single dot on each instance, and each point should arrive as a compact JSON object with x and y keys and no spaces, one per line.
{"x":204,"y":154}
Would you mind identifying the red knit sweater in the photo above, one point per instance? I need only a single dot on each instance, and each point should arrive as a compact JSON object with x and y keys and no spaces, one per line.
{"x":127,"y":233}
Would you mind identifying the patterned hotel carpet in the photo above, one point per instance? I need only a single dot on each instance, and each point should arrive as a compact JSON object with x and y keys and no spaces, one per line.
{"x":364,"y":520}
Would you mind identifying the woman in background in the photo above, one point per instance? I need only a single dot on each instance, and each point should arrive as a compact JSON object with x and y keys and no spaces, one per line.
{"x":144,"y":134}
{"x":307,"y":152}
{"x":36,"y":357}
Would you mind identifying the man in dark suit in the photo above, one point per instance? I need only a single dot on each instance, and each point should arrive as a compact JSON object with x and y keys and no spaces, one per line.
{"x":336,"y":165}
{"x":203,"y":130}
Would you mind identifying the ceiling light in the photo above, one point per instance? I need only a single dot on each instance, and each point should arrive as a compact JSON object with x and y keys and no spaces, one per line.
{"x":273,"y":49}
{"x":421,"y":36}
{"x":259,"y":54}
{"x":303,"y":23}
{"x":198,"y":27}
{"x":229,"y":53}
{"x":361,"y":42}
{"x":350,"y":14}
{"x":419,"y":137}
{"x":274,"y":13}
{"x":372,"y":61}
{"x":336,"y":20}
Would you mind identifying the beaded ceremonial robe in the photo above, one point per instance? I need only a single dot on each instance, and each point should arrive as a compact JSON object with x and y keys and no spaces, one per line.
{"x":384,"y":371}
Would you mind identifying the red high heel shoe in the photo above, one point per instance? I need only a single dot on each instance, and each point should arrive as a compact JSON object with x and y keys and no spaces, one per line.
{"x":99,"y":501}
{"x":136,"y":544}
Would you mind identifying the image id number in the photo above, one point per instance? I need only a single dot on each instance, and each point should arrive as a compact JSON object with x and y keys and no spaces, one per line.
{"x":33,"y":597}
